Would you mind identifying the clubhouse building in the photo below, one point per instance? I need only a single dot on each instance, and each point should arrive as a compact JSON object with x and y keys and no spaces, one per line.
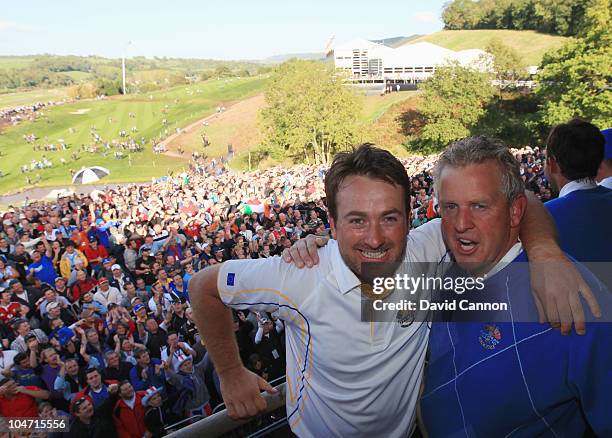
{"x":369,"y":62}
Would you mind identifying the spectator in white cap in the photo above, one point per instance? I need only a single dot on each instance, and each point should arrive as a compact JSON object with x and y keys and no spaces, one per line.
{"x":50,"y":296}
{"x":65,"y":228}
{"x":54,"y":311}
{"x":107,"y":294}
{"x":119,"y":278}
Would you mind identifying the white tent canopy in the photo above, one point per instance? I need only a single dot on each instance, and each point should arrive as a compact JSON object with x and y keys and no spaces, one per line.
{"x":60,"y":193}
{"x":89,"y":174}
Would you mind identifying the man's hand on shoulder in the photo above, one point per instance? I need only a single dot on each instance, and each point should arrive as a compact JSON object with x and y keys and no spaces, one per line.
{"x":557,"y":287}
{"x":241,"y":390}
{"x":304,"y":252}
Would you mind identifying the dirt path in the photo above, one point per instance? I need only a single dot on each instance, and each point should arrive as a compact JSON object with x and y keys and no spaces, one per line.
{"x":233,"y":113}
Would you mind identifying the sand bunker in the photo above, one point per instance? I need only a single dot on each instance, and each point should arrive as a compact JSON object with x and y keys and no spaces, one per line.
{"x":81,"y":111}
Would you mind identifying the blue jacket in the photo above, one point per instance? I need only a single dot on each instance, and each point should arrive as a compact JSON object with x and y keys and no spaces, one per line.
{"x":152,"y":378}
{"x":584,"y":221}
{"x":521,"y":379}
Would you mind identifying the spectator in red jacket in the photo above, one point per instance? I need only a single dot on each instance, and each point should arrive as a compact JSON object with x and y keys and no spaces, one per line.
{"x":83,"y":284}
{"x":95,"y":253}
{"x":20,"y":401}
{"x":129,"y":411}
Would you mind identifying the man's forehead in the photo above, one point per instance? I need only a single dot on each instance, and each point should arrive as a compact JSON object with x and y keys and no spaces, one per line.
{"x":359,"y":193}
{"x":478,"y":180}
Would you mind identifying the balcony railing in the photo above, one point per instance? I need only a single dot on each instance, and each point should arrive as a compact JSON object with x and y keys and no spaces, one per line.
{"x":219,"y":424}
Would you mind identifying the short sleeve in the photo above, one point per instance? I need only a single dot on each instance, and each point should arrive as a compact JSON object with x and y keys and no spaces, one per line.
{"x":267,"y":284}
{"x":426,"y":243}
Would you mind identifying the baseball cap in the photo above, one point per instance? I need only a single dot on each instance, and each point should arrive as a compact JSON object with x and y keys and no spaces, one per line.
{"x":133,"y":300}
{"x":13,"y":282}
{"x":64,"y":335}
{"x":106,"y":260}
{"x":137,"y":307}
{"x":103,"y":280}
{"x":52,"y":305}
{"x":115,"y":266}
{"x":29,"y":336}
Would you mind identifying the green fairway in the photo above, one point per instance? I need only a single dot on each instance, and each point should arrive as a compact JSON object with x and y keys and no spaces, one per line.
{"x":74,"y":122}
{"x":29,"y":97}
{"x":529,"y":44}
{"x":78,"y":75}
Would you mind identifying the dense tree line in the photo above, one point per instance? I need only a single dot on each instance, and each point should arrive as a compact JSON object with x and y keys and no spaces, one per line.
{"x":560,"y":17}
{"x":50,"y":71}
{"x":13,"y":78}
{"x":576,"y":80}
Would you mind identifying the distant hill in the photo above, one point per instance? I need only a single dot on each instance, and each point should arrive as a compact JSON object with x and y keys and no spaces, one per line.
{"x":279,"y":59}
{"x":529,"y":44}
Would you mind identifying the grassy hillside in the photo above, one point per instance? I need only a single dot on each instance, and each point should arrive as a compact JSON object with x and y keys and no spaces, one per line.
{"x":529,"y":44}
{"x":73,"y":123}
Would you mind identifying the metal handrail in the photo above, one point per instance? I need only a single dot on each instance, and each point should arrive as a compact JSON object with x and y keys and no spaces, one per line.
{"x":179,"y":423}
{"x":220,"y":423}
{"x":270,"y":428}
{"x":275,"y":382}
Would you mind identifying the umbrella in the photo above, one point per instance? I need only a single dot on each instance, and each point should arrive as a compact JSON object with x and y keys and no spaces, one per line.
{"x":89,"y":174}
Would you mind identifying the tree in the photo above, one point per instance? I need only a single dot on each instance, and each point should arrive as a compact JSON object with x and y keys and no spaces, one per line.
{"x":564,"y":17}
{"x":507,"y":64}
{"x":452,"y":102}
{"x":310,"y":114}
{"x":575,"y":81}
{"x":461,"y":14}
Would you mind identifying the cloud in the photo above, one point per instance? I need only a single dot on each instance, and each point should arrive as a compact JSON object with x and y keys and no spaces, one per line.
{"x":425,"y":16}
{"x":8,"y":26}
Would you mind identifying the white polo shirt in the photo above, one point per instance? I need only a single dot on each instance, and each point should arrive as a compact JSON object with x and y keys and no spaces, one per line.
{"x":345,"y":377}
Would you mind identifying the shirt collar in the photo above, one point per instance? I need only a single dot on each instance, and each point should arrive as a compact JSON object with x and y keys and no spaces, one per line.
{"x":579,"y":184}
{"x":606,"y":182}
{"x":346,"y":279}
{"x":507,"y":258}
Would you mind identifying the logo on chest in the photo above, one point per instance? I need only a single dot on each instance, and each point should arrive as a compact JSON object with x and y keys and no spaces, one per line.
{"x":490,"y":336}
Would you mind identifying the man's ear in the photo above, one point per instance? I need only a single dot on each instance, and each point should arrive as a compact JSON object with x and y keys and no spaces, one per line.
{"x":517,"y":210}
{"x":552,"y":164}
{"x":332,"y":226}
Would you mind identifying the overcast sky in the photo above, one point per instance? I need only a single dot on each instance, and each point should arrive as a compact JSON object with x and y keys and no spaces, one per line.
{"x":235,"y":29}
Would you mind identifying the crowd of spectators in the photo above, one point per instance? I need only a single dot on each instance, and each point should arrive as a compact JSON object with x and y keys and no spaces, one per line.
{"x":95,"y":318}
{"x":16,"y":114}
